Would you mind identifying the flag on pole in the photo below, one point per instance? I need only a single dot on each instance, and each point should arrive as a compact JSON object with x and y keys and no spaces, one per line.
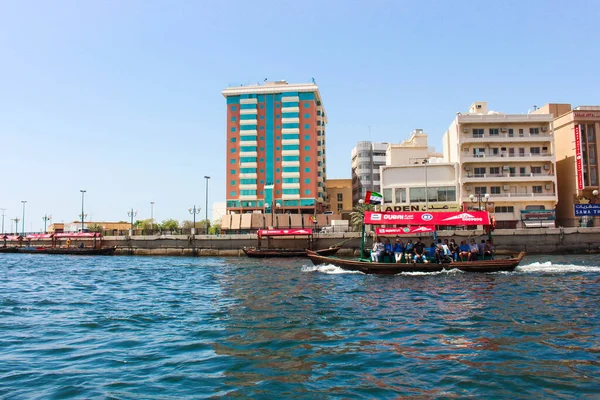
{"x":373,"y":198}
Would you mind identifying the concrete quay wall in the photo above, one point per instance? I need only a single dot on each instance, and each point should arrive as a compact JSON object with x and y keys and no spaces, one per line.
{"x":533,"y":241}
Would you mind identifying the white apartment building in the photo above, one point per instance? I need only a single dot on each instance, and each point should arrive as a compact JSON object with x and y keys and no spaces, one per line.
{"x":367,"y":157}
{"x":507,"y":165}
{"x":416,"y":178}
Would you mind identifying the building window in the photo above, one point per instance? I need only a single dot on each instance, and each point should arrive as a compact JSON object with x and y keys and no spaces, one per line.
{"x":233,"y":149}
{"x":479,"y":152}
{"x":495,"y":190}
{"x":262,"y":117}
{"x":262,"y":149}
{"x":262,"y":138}
{"x":232,"y":161}
{"x":536,"y":170}
{"x":233,"y":108}
{"x":277,"y":105}
{"x":306,"y":158}
{"x":306,"y":147}
{"x":278,"y":116}
{"x":262,"y":128}
{"x":306,"y":169}
{"x":521,"y":132}
{"x":277,"y":137}
{"x":494,"y":131}
{"x":535,"y":150}
{"x":480,"y":189}
{"x":495,"y":171}
{"x":537,"y":189}
{"x":534,"y":131}
{"x":504,"y":209}
{"x":306,"y":115}
{"x":262,"y":106}
{"x":306,"y":137}
{"x":340,"y":197}
{"x":233,"y":119}
{"x":233,"y":140}
{"x":307,"y":180}
{"x":477,"y":133}
{"x":232,"y":183}
{"x":277,"y":181}
{"x":278,"y":159}
{"x":262,"y":160}
{"x":400,"y":195}
{"x":340,"y":207}
{"x":277,"y":169}
{"x":306,"y":105}
{"x":233,"y":193}
{"x":233,"y":129}
{"x":479,"y":172}
{"x":511,"y":132}
{"x":232,"y":172}
{"x":306,"y":126}
{"x":278,"y":127}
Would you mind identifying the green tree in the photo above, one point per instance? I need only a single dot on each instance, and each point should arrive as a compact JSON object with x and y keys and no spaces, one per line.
{"x":169,"y":225}
{"x":215,"y":228}
{"x":96,"y":228}
{"x":357,"y":215}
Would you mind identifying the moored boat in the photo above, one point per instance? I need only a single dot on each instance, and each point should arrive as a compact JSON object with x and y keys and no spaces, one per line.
{"x":9,"y":249}
{"x":103,"y":251}
{"x":84,"y":244}
{"x":279,"y":252}
{"x":367,"y":267}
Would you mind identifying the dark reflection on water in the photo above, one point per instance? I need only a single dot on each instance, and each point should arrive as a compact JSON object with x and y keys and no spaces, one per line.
{"x":174,"y":328}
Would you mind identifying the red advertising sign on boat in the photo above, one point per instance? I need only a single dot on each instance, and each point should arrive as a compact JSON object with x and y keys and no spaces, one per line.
{"x":578,"y":158}
{"x":77,"y":235}
{"x":39,"y":236}
{"x":426,"y":218}
{"x":284,"y":232}
{"x":407,"y":230}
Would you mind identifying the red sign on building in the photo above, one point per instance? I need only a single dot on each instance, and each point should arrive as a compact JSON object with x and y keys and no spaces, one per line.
{"x":578,"y":158}
{"x":425,"y":218}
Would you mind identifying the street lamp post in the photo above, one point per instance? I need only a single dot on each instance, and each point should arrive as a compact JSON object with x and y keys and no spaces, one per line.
{"x":152,"y":216}
{"x":206,"y":177}
{"x":131,"y":213}
{"x":480,"y":198}
{"x":3,"y":209}
{"x":46,"y":218}
{"x":82,"y":214}
{"x":16,"y":219}
{"x":23,"y":219}
{"x":194,"y":211}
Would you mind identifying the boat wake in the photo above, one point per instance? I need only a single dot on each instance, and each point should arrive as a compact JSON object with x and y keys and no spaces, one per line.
{"x":549,"y":267}
{"x":328,"y":269}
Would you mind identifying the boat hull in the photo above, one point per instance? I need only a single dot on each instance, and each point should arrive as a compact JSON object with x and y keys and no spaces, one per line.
{"x":262,"y":253}
{"x":105,"y":251}
{"x":366,"y":267}
{"x":9,"y":249}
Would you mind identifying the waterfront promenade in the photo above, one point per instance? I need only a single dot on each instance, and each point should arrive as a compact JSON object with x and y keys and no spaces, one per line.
{"x":533,"y":241}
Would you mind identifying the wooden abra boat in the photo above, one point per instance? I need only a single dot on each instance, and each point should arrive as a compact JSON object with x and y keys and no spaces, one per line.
{"x":8,"y":249}
{"x":257,"y":252}
{"x":270,"y":251}
{"x":104,"y":251}
{"x":367,"y":267}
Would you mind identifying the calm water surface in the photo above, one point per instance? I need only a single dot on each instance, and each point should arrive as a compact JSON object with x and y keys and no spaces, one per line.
{"x":132,"y":327}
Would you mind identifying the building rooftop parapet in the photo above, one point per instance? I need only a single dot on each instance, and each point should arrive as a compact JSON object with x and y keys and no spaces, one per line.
{"x":587,"y":108}
{"x":490,"y":118}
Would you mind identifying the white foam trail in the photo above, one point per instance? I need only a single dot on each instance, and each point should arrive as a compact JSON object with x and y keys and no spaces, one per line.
{"x":328,"y":269}
{"x":445,"y":271}
{"x":555,"y":268}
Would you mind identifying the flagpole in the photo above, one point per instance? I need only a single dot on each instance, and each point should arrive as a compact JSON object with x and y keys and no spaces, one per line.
{"x":362,"y":235}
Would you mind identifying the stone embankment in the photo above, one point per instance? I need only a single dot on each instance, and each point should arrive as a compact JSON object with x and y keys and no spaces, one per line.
{"x":533,"y":241}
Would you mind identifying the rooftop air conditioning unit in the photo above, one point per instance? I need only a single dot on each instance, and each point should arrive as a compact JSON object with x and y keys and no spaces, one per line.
{"x":548,"y":186}
{"x":469,"y":188}
{"x":547,"y":167}
{"x":504,"y":129}
{"x":505,"y":187}
{"x":544,"y":128}
{"x":466,"y":130}
{"x":505,"y":167}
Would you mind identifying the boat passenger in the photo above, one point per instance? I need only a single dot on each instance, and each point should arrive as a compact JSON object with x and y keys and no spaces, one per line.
{"x":454,"y":249}
{"x":473,"y":250}
{"x":488,"y":249}
{"x":419,"y":251}
{"x":465,"y":254}
{"x":388,"y":248}
{"x":442,"y":253}
{"x":430,"y":251}
{"x":398,"y":249}
{"x":377,"y":252}
{"x":481,"y":246}
{"x":409,"y":250}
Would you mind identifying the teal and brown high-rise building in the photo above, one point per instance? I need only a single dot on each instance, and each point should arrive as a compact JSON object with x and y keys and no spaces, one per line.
{"x":275,"y":148}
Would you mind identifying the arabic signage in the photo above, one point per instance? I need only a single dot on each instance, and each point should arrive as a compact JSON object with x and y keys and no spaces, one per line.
{"x":587,"y":209}
{"x":423,"y":207}
{"x":578,"y":158}
{"x":538,"y":215}
{"x":284,"y":232}
{"x":426,"y":218}
{"x":586,"y":114}
{"x":407,"y":230}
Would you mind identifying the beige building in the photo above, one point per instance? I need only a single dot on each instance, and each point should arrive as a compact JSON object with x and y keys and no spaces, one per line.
{"x":576,"y":185}
{"x":339,"y":195}
{"x":416,"y":178}
{"x":507,"y":164}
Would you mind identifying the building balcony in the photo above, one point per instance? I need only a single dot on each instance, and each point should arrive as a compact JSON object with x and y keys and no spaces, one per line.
{"x":246,"y":111}
{"x":290,"y":163}
{"x":290,"y":141}
{"x":506,"y":157}
{"x":247,"y":165}
{"x":290,"y":174}
{"x":247,"y":176}
{"x":247,"y":187}
{"x":251,"y":132}
{"x":290,"y":196}
{"x":290,"y":152}
{"x":248,"y":154}
{"x":248,"y":122}
{"x":515,"y":197}
{"x":507,"y":177}
{"x":290,"y":109}
{"x":290,"y":185}
{"x":295,"y":120}
{"x":504,"y":138}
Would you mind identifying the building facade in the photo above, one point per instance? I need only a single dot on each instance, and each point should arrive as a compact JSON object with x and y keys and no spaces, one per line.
{"x":367,"y":157}
{"x":275,"y":148}
{"x":577,"y":149}
{"x":415,"y":178}
{"x":339,"y":196}
{"x":507,"y":165}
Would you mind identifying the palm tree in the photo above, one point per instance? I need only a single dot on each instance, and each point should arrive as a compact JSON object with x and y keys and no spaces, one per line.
{"x":358,"y":214}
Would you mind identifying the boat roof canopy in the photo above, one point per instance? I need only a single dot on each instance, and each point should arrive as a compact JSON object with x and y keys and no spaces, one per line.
{"x":445,"y":218}
{"x":39,"y":235}
{"x":407,"y":230}
{"x":284,"y":232}
{"x":77,"y":235}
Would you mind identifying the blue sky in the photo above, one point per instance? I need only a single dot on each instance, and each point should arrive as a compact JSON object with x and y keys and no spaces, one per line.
{"x":123,"y":98}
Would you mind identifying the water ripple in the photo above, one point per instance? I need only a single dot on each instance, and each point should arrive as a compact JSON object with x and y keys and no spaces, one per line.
{"x":124,"y":327}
